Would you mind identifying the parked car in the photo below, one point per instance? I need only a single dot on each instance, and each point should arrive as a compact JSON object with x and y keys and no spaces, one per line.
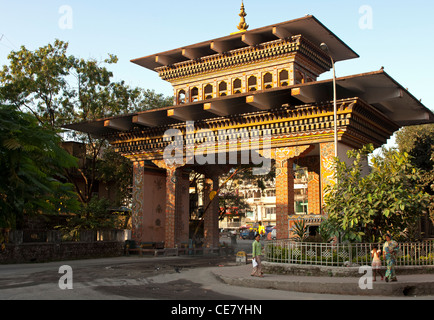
{"x":268,"y":229}
{"x":247,"y":234}
{"x":273,"y":233}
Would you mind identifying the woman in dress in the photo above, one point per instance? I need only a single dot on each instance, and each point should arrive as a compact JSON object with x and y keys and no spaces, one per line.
{"x":376,"y":262}
{"x":389,"y":253}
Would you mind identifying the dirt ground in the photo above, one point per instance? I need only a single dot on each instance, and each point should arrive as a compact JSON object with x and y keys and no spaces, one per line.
{"x":130,"y":280}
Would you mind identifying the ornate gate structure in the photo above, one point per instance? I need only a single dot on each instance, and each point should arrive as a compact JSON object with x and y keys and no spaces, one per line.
{"x":256,"y":92}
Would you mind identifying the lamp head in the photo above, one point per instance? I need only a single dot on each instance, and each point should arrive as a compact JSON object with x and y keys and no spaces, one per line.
{"x":324,"y":47}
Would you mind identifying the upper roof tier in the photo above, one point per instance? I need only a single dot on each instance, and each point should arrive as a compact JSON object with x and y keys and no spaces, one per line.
{"x":308,"y":26}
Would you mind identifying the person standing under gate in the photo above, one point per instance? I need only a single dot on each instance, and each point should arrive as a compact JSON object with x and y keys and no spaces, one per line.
{"x":390,"y":249}
{"x":256,"y":257}
{"x":376,"y":262}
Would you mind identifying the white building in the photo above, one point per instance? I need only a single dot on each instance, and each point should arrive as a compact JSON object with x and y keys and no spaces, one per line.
{"x":263,"y":202}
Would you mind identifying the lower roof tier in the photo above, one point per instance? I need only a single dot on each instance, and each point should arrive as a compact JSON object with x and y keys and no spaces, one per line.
{"x":376,"y":89}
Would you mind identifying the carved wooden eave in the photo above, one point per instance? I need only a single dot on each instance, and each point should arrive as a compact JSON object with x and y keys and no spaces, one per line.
{"x":358,"y":124}
{"x":237,"y":58}
{"x":308,"y":26}
{"x":391,"y":107}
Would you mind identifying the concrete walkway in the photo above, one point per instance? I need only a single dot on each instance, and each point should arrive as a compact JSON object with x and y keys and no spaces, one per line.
{"x":407,"y":285}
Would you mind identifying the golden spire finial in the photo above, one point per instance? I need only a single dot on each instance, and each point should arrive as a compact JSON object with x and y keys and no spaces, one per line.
{"x":242,"y":26}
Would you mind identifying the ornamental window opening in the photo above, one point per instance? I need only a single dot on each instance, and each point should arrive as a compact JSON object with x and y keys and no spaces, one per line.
{"x":236,"y":86}
{"x":223,"y":89}
{"x":268,"y":80}
{"x":283,"y":78}
{"x":194,"y":94}
{"x":208,"y":91}
{"x":181,"y":97}
{"x":252,"y":83}
{"x":299,"y":77}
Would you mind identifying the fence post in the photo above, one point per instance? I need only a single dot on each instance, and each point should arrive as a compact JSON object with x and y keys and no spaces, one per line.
{"x":54,"y":236}
{"x":87,"y":236}
{"x":16,"y":236}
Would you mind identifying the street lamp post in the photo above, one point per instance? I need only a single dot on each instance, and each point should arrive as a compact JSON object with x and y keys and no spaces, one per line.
{"x":325,"y":48}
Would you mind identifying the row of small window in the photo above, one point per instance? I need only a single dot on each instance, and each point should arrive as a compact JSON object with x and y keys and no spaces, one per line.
{"x":259,"y":194}
{"x":252,"y":85}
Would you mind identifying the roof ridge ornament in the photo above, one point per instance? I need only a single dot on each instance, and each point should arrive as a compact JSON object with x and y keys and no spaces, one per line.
{"x":242,"y":26}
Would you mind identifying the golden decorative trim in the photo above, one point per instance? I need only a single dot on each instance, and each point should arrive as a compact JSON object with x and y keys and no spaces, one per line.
{"x":244,"y":56}
{"x":287,"y":127}
{"x":242,"y":26}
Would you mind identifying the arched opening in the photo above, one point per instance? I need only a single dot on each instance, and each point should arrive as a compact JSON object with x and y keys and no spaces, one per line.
{"x":267,"y":81}
{"x":194,"y":94}
{"x":299,"y":77}
{"x":181,"y":96}
{"x":283,"y":78}
{"x":252,"y":83}
{"x":236,"y":86}
{"x":208,"y":91}
{"x":223,"y":89}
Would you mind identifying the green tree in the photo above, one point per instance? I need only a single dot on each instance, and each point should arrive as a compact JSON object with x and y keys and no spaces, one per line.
{"x":59,"y":89}
{"x":231,"y":203}
{"x":243,"y":177}
{"x":418,"y":142}
{"x":32,"y":162}
{"x":117,"y":172}
{"x":36,"y":81}
{"x":388,"y":199}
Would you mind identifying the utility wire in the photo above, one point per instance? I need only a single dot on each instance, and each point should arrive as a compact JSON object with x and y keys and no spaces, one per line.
{"x":2,"y":42}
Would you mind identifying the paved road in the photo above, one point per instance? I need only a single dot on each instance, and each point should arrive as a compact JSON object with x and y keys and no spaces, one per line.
{"x":146,"y":278}
{"x":174,"y":278}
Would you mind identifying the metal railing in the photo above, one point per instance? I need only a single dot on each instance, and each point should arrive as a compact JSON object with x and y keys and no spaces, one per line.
{"x":226,"y":224}
{"x":56,"y":236}
{"x":344,"y":254}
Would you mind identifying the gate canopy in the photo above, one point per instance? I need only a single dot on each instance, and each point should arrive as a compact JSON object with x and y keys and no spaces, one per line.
{"x":377,"y":89}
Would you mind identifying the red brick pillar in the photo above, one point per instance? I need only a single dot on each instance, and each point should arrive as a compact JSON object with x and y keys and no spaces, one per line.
{"x":171,"y":179}
{"x":211,"y":224}
{"x":284,"y":194}
{"x":182,"y":209}
{"x":174,"y":204}
{"x":138,"y":197}
{"x":285,"y":186}
{"x":313,"y":193}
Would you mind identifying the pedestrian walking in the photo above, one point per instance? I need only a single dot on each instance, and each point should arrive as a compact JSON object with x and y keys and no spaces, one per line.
{"x":390,"y":249}
{"x":376,"y":262}
{"x":256,"y":257}
{"x":261,"y":230}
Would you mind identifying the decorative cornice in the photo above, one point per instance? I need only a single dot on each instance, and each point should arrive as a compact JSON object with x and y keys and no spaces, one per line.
{"x":240,"y":57}
{"x":287,"y":126}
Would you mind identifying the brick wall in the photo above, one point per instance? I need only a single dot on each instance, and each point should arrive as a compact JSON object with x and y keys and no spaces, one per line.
{"x":44,"y":252}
